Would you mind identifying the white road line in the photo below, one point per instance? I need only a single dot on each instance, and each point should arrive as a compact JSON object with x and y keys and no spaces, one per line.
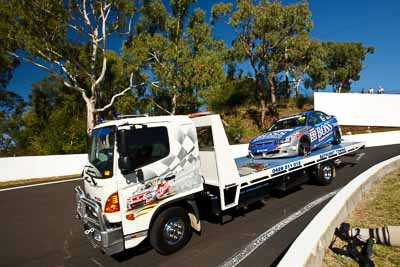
{"x":359,"y":156}
{"x":33,"y":185}
{"x":253,"y":245}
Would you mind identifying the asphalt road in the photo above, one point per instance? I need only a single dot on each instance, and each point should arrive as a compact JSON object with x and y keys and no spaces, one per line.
{"x":39,"y":227}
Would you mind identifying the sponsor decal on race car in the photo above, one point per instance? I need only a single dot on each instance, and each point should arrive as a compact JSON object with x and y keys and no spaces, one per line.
{"x":320,"y":132}
{"x":272,"y":135}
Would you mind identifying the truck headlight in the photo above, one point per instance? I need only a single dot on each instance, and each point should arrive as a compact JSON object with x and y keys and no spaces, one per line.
{"x":285,"y":140}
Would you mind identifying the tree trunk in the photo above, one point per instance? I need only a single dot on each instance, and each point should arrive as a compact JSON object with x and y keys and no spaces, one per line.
{"x":272,"y":88}
{"x":287,"y":84}
{"x":263,"y":111}
{"x":91,"y":115}
{"x":296,"y":88}
{"x":261,"y":95}
{"x":173,"y":104}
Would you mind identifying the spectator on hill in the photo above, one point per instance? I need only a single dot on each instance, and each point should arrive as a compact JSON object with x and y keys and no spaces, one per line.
{"x":371,"y":90}
{"x":381,"y":90}
{"x":362,"y":90}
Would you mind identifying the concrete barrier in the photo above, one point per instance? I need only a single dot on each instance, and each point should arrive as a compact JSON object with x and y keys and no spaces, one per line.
{"x":20,"y":168}
{"x":309,"y":247}
{"x":376,"y":139}
{"x":360,"y":109}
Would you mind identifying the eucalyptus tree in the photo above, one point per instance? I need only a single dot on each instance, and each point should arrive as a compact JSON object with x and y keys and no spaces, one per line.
{"x":306,"y":63}
{"x":264,"y":32}
{"x":173,"y":45}
{"x":11,"y":109}
{"x":344,"y":62}
{"x":69,"y":40}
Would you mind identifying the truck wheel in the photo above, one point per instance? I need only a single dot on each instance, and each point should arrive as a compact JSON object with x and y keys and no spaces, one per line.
{"x":170,"y":231}
{"x":337,"y":139}
{"x":325,"y":173}
{"x":304,"y":147}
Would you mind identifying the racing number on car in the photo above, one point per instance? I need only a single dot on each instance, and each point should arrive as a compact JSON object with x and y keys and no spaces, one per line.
{"x":313,"y":135}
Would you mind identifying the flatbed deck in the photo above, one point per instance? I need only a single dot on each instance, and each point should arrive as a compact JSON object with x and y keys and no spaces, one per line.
{"x":252,"y":170}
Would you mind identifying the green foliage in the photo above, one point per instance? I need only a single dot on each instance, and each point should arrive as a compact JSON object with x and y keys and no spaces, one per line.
{"x":306,"y":63}
{"x":169,"y":42}
{"x":55,"y":121}
{"x":235,"y":93}
{"x":11,"y":110}
{"x":176,"y":48}
{"x":238,"y":128}
{"x":344,"y":63}
{"x":266,"y":32}
{"x":66,"y":38}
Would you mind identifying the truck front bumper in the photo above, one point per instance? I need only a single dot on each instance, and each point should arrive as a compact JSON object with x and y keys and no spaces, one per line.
{"x":102,"y":235}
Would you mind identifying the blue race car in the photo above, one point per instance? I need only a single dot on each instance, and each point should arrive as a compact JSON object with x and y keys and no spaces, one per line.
{"x":296,"y":135}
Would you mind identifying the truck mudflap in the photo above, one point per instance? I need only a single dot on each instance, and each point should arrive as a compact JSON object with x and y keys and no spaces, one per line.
{"x":100,"y":234}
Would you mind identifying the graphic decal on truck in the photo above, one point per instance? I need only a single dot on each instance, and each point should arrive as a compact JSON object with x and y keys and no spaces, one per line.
{"x":147,"y":196}
{"x":175,"y":174}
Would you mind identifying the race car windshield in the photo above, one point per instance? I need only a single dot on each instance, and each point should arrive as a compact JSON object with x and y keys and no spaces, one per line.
{"x":288,"y":123}
{"x":101,"y":150}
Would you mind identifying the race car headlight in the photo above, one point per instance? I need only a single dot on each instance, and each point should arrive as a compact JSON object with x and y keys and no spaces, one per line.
{"x":285,"y":140}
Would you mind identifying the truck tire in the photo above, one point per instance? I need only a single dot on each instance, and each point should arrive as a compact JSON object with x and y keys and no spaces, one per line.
{"x":337,"y":138}
{"x":325,"y":172}
{"x":170,"y":231}
{"x":304,"y":147}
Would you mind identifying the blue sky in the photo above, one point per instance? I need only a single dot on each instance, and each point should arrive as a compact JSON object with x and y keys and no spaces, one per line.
{"x":373,"y":23}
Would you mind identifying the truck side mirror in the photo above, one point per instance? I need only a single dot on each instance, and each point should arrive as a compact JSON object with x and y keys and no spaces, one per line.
{"x":122,"y":142}
{"x":140,"y":176}
{"x":125,"y":164}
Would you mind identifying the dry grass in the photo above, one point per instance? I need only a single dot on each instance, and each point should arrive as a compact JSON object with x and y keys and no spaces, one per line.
{"x":36,"y":180}
{"x":378,"y":208}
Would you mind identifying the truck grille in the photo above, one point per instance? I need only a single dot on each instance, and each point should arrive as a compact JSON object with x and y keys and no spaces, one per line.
{"x":89,"y":210}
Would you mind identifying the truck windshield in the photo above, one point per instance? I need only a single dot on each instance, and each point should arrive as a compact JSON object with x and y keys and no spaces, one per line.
{"x":289,"y":123}
{"x":101,"y":151}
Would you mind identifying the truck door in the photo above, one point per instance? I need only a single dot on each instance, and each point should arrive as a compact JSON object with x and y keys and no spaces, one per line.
{"x":165,"y":163}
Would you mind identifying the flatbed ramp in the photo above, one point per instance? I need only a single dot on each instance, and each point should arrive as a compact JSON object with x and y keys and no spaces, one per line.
{"x":254,"y":170}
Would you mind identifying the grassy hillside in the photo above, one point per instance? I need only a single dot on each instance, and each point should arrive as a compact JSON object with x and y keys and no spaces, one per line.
{"x":243,"y":123}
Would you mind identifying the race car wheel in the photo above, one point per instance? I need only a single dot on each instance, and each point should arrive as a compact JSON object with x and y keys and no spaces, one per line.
{"x":337,"y":139}
{"x":304,"y":147}
{"x":170,"y":231}
{"x":324,"y":173}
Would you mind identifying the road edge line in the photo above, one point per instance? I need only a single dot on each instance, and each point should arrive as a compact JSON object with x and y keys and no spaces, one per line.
{"x":257,"y":242}
{"x":40,"y":184}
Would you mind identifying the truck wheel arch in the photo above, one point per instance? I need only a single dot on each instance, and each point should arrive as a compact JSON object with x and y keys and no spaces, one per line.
{"x":188,"y":204}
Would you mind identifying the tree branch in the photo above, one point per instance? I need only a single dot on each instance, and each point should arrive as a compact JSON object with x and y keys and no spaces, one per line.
{"x":30,"y":61}
{"x":80,"y":31}
{"x":154,"y":55}
{"x":155,"y":84}
{"x":104,"y":37}
{"x":131,"y":86}
{"x":163,"y":109}
{"x":59,"y":76}
{"x":86,"y":17}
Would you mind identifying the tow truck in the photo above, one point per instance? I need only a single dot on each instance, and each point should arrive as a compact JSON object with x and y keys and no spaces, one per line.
{"x":148,"y":177}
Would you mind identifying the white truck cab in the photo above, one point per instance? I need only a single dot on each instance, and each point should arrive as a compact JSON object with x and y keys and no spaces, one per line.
{"x":147,"y":176}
